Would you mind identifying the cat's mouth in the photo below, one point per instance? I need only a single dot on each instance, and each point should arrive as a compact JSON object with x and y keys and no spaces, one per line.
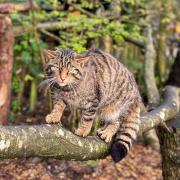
{"x":62,"y":84}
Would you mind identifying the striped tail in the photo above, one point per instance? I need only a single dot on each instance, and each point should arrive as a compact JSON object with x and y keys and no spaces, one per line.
{"x":126,"y":134}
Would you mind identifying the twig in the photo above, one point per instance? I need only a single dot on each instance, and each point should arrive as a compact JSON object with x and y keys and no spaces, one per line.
{"x":134,"y":41}
{"x":50,"y":35}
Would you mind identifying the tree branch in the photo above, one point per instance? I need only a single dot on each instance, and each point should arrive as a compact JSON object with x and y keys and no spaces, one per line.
{"x":51,"y":35}
{"x":134,"y":41}
{"x":59,"y":25}
{"x":19,"y":30}
{"x":166,"y":111}
{"x":49,"y":141}
{"x":55,"y":141}
{"x":150,"y":56}
{"x":11,"y":7}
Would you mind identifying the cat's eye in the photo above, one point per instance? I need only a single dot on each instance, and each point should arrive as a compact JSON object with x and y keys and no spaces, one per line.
{"x":75,"y":71}
{"x":48,"y":71}
{"x":53,"y":68}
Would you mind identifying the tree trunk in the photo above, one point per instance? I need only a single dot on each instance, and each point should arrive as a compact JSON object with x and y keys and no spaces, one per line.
{"x":153,"y":96}
{"x":6,"y":64}
{"x":170,"y":152}
{"x":170,"y":139}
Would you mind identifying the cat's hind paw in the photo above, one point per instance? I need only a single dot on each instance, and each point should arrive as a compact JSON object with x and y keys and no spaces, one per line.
{"x":105,"y":134}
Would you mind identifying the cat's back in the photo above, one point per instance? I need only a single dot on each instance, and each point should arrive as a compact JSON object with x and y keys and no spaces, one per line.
{"x":113,"y":77}
{"x":108,"y":66}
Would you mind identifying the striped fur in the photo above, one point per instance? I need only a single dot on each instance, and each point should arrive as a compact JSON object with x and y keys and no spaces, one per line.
{"x":101,"y":86}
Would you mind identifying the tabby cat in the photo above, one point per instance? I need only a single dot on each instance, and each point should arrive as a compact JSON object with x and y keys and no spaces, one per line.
{"x":99,"y":85}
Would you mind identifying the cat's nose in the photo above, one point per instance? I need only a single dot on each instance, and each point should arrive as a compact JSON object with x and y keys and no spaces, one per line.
{"x":62,"y":79}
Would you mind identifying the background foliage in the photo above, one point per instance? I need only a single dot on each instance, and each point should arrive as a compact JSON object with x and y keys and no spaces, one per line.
{"x":87,"y":24}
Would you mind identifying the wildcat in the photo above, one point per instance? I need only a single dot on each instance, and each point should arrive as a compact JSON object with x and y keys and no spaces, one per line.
{"x":99,"y":85}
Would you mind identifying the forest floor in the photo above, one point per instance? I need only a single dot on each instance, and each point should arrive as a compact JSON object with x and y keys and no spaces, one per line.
{"x":142,"y":163}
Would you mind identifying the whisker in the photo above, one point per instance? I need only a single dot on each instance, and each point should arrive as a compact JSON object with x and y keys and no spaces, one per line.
{"x":45,"y":84}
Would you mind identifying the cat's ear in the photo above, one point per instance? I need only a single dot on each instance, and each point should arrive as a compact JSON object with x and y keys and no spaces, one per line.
{"x":82,"y":60}
{"x":49,"y":54}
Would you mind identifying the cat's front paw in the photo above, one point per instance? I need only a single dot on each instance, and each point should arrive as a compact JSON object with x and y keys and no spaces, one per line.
{"x":82,"y":132}
{"x":52,"y":118}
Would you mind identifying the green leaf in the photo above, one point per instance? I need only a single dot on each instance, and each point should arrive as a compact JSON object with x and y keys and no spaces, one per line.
{"x":26,"y":57}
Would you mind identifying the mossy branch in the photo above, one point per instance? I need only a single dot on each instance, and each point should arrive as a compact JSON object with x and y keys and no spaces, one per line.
{"x":57,"y":142}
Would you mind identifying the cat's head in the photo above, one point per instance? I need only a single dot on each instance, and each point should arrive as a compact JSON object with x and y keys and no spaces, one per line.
{"x":65,"y":66}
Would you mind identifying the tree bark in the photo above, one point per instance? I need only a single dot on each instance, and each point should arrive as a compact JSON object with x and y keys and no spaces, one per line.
{"x":170,"y":137}
{"x":6,"y":64}
{"x":170,"y":151}
{"x":55,"y":141}
{"x":166,"y":111}
{"x":49,"y":141}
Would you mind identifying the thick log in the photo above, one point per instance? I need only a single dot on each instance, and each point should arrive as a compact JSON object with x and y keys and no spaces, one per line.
{"x":55,"y":141}
{"x":6,"y":63}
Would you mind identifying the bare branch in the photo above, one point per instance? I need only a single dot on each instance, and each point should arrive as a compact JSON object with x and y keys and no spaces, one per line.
{"x":166,"y":111}
{"x":19,"y":30}
{"x":134,"y":41}
{"x":51,"y":35}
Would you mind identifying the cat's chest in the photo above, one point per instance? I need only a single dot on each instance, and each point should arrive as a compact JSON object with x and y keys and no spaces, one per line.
{"x":73,"y":99}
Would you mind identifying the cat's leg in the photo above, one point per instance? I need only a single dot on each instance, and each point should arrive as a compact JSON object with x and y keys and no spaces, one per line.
{"x":56,"y":113}
{"x":102,"y":128}
{"x":84,"y":127}
{"x":86,"y":122}
{"x":106,"y":133}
